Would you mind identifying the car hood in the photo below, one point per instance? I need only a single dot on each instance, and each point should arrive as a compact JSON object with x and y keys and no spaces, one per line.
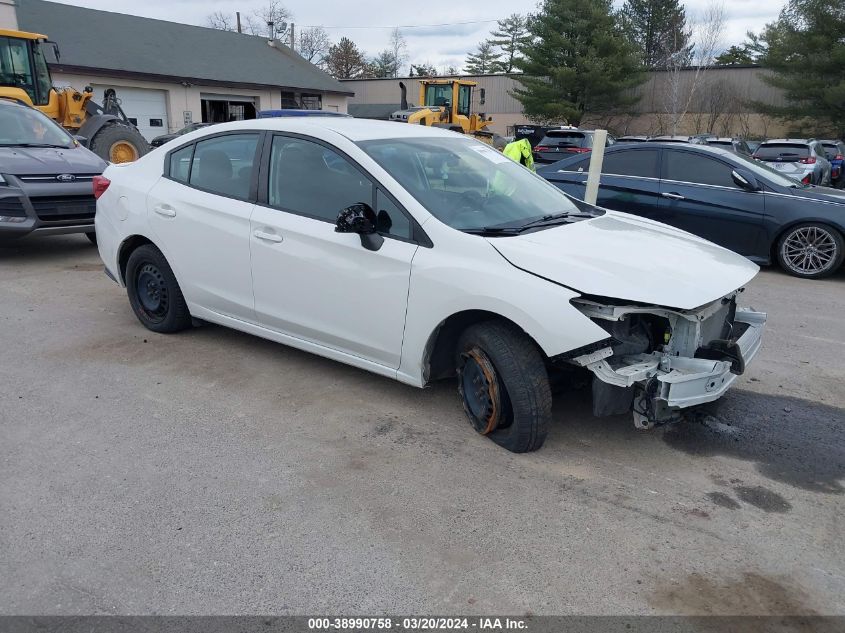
{"x":624,"y":257}
{"x":37,"y":161}
{"x":825,"y":194}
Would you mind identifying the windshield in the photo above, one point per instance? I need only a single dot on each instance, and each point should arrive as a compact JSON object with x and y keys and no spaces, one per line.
{"x":23,"y":126}
{"x":466,"y":184}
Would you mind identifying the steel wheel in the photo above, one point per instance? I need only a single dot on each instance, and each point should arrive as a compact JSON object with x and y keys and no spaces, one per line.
{"x":479,"y":387}
{"x":152,"y":292}
{"x":809,"y":250}
{"x":123,"y":152}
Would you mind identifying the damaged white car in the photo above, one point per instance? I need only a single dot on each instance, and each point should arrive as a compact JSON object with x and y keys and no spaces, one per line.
{"x":421,"y":254}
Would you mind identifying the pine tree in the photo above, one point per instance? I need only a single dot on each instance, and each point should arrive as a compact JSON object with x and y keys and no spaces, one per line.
{"x":805,"y":52}
{"x":659,"y":30}
{"x":483,"y":62}
{"x":577,"y":61}
{"x":345,"y":60}
{"x":510,"y":35}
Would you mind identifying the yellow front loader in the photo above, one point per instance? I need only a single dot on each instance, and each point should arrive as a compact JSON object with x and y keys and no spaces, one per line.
{"x":25,"y":77}
{"x":446,"y":103}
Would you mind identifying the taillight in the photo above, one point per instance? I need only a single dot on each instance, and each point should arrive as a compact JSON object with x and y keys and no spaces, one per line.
{"x":839,"y":157}
{"x":101,"y":183}
{"x":810,"y":160}
{"x":578,"y":150}
{"x":541,"y":148}
{"x":806,"y":179}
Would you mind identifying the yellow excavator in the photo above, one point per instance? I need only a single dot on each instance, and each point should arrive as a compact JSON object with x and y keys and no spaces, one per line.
{"x":446,"y":103}
{"x":24,"y":76}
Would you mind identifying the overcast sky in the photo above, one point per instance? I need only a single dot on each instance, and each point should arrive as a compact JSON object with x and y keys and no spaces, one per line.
{"x":439,"y":45}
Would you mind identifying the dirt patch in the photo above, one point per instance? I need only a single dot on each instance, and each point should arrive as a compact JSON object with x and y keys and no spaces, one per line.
{"x":723,"y":500}
{"x":753,"y":594}
{"x":763,"y":498}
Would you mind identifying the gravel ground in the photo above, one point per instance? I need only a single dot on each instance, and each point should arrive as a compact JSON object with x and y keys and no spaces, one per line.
{"x":213,"y":472}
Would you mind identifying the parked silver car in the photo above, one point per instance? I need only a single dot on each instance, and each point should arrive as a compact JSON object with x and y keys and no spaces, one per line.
{"x":46,"y":176}
{"x":801,"y":159}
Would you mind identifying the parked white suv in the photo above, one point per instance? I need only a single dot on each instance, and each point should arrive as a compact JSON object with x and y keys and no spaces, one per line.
{"x":419,"y":254}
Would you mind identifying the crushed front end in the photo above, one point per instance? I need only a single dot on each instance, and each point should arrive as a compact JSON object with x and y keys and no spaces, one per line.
{"x":658,"y":361}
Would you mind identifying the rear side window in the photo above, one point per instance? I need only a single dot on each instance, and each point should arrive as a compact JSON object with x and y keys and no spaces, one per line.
{"x":224,"y":165}
{"x":695,"y":168}
{"x":566,"y":139}
{"x":180,"y":164}
{"x":641,"y":163}
{"x":831,"y":150}
{"x":782,"y":151}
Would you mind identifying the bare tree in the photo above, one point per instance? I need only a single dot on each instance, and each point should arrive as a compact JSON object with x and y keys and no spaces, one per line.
{"x":258,"y":23}
{"x":220,"y":21}
{"x":684,"y":84}
{"x":314,"y":44}
{"x":399,"y":49}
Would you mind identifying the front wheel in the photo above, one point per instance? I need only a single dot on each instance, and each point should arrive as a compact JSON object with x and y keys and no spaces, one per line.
{"x":119,"y":143}
{"x":153,"y":292}
{"x":504,"y":385}
{"x":810,"y":250}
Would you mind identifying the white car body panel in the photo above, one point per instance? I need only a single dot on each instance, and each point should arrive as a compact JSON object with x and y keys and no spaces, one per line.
{"x":380,"y":310}
{"x":626,"y":257}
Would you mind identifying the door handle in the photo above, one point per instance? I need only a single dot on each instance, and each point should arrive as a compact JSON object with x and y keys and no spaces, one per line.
{"x":166,"y":210}
{"x":268,"y":237}
{"x":672,"y":196}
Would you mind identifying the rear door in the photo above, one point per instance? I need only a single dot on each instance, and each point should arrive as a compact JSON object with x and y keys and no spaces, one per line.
{"x":698,"y":194}
{"x":788,"y":158}
{"x":200,"y":213}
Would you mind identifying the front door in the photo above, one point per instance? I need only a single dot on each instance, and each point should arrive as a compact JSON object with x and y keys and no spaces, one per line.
{"x":698,"y":194}
{"x":318,"y":285}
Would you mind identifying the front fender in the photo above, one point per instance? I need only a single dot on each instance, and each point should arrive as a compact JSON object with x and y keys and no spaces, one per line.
{"x":438,"y":290}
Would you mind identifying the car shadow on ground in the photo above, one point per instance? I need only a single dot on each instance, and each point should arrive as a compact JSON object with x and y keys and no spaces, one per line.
{"x":46,"y":248}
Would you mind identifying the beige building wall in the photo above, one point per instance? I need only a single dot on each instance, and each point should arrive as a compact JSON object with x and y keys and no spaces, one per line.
{"x":8,"y":18}
{"x":721,"y":102}
{"x":187,"y":98}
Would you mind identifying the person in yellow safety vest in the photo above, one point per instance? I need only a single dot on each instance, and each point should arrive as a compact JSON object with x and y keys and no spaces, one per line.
{"x":520,"y":152}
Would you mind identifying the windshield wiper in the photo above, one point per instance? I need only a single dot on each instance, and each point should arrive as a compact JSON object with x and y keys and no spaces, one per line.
{"x":546,"y":220}
{"x":48,"y":145}
{"x":493,"y":231}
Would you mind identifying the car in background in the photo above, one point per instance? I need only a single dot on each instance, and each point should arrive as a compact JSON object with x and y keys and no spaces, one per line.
{"x":298,"y":112}
{"x":46,"y":176}
{"x":565,"y":140}
{"x":158,"y":141}
{"x":725,"y":197}
{"x":835,"y":152}
{"x":669,"y":138}
{"x":737,"y":145}
{"x":631,"y":139}
{"x":420,"y":254}
{"x":753,"y":145}
{"x":802,"y":159}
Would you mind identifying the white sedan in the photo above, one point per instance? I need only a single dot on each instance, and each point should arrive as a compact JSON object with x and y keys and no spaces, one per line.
{"x":421,"y":254}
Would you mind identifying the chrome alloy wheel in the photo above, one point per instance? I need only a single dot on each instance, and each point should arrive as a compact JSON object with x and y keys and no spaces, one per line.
{"x":809,"y":250}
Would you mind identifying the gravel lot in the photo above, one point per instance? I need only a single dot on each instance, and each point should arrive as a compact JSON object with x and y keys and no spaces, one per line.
{"x":213,"y":472}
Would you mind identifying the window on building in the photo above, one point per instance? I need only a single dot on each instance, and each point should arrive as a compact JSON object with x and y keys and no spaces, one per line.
{"x":311,"y":102}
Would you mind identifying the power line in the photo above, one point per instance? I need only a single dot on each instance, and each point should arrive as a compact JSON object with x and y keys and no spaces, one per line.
{"x":401,"y":26}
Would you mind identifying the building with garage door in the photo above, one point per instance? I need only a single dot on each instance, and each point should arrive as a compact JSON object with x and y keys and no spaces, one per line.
{"x":167,"y":75}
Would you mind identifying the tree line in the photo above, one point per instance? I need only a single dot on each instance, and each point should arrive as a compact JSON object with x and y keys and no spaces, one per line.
{"x":573,"y":57}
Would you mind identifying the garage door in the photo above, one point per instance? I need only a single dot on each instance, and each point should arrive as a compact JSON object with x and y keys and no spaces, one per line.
{"x":145,"y":107}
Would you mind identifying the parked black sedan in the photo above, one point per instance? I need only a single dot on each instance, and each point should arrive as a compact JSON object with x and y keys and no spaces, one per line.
{"x":721,"y":196}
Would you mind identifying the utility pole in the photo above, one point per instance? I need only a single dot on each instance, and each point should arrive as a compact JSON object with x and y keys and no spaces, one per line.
{"x":292,"y":39}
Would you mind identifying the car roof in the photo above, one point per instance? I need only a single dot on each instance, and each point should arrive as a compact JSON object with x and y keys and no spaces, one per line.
{"x":353,"y":129}
{"x":794,"y":141}
{"x":714,"y":150}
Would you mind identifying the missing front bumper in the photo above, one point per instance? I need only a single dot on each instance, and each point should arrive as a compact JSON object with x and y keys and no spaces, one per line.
{"x":662,"y":384}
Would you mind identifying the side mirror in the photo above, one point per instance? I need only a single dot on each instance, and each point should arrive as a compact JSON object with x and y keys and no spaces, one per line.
{"x":361,"y":219}
{"x":745,"y":180}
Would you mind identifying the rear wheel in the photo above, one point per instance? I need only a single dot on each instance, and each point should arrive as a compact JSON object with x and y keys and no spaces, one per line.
{"x":504,"y":386}
{"x":153,"y":292}
{"x":119,"y":143}
{"x":810,"y":250}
